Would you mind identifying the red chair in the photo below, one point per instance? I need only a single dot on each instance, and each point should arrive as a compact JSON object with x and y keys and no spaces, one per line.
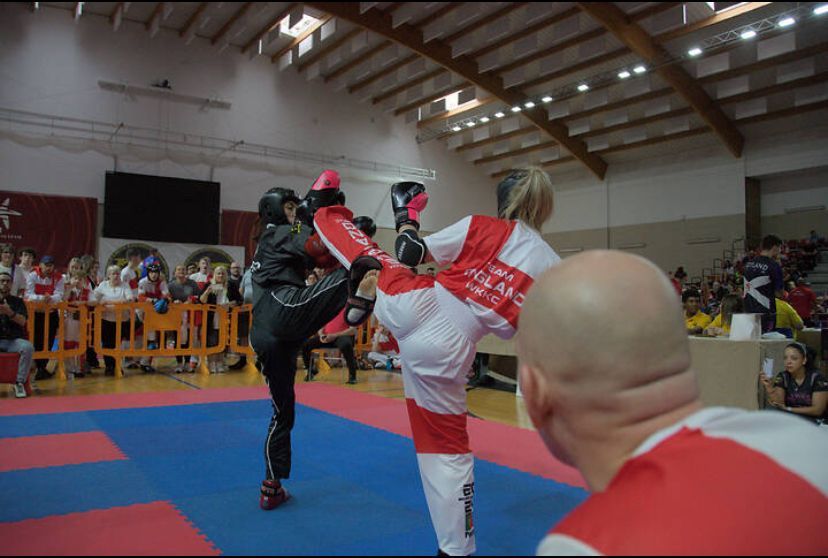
{"x":9,"y":363}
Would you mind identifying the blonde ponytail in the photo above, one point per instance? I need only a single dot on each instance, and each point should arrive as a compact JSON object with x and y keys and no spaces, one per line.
{"x":531,"y":200}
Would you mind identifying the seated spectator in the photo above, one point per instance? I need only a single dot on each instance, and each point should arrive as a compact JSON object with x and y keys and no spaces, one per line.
{"x":111,"y":291}
{"x":46,"y":286}
{"x":720,"y":326}
{"x":615,"y":395}
{"x":335,"y":335}
{"x":13,"y":335}
{"x":694,"y":319}
{"x":798,"y":389}
{"x":182,"y":290}
{"x":788,"y":321}
{"x":384,"y":349}
{"x":680,"y":275}
{"x":21,"y":273}
{"x":803,"y":300}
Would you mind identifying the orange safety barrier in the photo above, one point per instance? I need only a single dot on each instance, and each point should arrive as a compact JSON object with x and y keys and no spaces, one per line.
{"x":64,"y":311}
{"x":180,"y":318}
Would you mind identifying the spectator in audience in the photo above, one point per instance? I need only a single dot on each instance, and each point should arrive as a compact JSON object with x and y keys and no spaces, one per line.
{"x":152,"y":288}
{"x":384,"y":348}
{"x":763,"y":282}
{"x":93,"y":279}
{"x":217,"y":293}
{"x":46,"y":286}
{"x":13,"y":335}
{"x":204,"y":275}
{"x":788,"y":321}
{"x":814,"y":238}
{"x":798,"y":389}
{"x":154,"y":257}
{"x":21,"y":272}
{"x":615,"y":395}
{"x":76,"y":290}
{"x":680,"y":275}
{"x":803,"y":300}
{"x":234,"y":286}
{"x":113,"y":290}
{"x":675,"y":282}
{"x":7,"y":259}
{"x":694,"y":318}
{"x":192,"y":269}
{"x":731,"y":304}
{"x":183,"y":290}
{"x":131,"y":275}
{"x":336,"y":334}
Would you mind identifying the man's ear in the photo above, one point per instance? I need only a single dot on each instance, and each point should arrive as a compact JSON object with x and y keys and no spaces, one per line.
{"x":535,"y":390}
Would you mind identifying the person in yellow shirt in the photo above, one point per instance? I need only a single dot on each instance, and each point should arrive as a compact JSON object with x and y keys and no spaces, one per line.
{"x":787,"y":318}
{"x":694,"y":318}
{"x":731,"y":304}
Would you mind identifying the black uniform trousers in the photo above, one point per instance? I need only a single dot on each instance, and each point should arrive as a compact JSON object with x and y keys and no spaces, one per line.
{"x":283,"y":319}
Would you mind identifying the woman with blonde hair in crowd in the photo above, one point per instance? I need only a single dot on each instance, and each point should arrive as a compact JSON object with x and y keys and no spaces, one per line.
{"x":217,"y":293}
{"x":77,"y":291}
{"x":489,"y":265}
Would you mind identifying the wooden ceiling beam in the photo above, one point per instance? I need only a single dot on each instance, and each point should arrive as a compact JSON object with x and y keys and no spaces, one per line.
{"x":231,"y":22}
{"x":640,"y":42}
{"x":515,"y":153}
{"x":271,"y":25}
{"x":430,"y":98}
{"x":329,"y":49}
{"x":365,"y":82}
{"x":193,"y":21}
{"x":712,"y":20}
{"x":440,"y":52}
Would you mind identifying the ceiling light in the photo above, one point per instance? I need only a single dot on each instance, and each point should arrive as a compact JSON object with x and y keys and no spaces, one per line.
{"x":547,"y":99}
{"x":470,"y":124}
{"x":529,"y":104}
{"x":749,"y":34}
{"x":516,"y":109}
{"x":456,"y":128}
{"x":819,"y":10}
{"x":484,"y":119}
{"x":786,"y":22}
{"x":261,"y":46}
{"x":583,"y":87}
{"x":500,"y":114}
{"x":624,"y":74}
{"x":695,"y":51}
{"x":79,"y":9}
{"x":639,"y":69}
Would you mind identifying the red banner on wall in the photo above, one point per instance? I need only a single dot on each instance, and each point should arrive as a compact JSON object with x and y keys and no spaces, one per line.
{"x":240,"y":228}
{"x":60,"y":226}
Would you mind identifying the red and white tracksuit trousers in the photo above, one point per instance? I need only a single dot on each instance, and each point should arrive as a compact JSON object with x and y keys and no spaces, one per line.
{"x":435,"y":358}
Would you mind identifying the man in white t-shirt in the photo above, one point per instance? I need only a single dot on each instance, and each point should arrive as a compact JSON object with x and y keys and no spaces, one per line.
{"x":614,"y":394}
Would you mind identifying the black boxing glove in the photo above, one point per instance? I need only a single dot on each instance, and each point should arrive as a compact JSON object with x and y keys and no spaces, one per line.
{"x":408,"y":199}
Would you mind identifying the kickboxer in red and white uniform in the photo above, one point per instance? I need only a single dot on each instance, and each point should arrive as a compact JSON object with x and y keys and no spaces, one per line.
{"x":439,"y":320}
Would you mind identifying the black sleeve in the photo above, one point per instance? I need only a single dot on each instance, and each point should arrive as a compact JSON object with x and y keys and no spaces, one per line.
{"x":19,"y":306}
{"x":819,"y":383}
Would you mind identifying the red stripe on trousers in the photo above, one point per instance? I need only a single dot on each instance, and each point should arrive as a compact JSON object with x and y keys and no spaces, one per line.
{"x":437,"y":433}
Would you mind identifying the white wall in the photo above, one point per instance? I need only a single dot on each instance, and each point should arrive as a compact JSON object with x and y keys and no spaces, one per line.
{"x":49,"y":64}
{"x":794,"y":190}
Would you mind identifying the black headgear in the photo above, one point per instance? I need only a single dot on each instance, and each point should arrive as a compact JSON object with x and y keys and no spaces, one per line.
{"x":366,"y":225}
{"x":504,"y":189}
{"x":271,"y":210}
{"x":154,"y":266}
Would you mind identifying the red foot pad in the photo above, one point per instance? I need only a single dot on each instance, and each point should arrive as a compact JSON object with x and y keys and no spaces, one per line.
{"x":143,"y":529}
{"x":273,"y":495}
{"x":56,"y":449}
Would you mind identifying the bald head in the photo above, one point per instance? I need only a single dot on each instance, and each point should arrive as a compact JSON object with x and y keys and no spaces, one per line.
{"x":604,"y":357}
{"x":606,"y":313}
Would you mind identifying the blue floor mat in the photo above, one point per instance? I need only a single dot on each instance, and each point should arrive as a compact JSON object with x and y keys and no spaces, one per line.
{"x":356,"y":489}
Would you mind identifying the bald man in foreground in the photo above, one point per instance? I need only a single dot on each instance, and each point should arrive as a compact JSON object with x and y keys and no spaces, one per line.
{"x":614,"y":394}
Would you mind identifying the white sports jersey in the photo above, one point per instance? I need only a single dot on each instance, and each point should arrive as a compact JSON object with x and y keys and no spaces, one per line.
{"x":147,"y":289}
{"x":494,"y":263}
{"x":130,"y":277}
{"x":722,"y":481}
